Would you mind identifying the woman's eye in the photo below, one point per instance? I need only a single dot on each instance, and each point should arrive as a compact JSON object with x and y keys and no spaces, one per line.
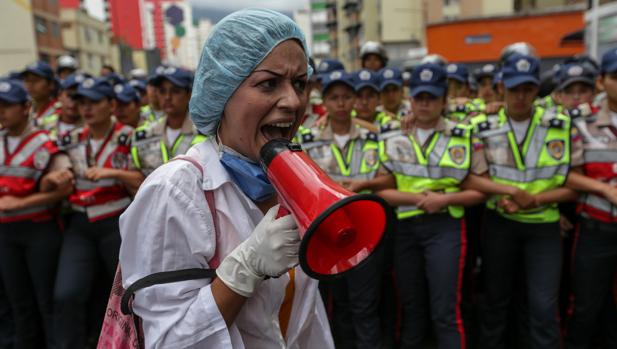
{"x":268,"y":84}
{"x":300,"y":84}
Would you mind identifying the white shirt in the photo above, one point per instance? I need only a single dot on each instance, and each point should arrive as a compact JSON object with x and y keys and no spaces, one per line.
{"x":424,"y":134}
{"x":520,"y":129}
{"x":63,"y":127}
{"x":169,"y":227}
{"x":172,"y":134}
{"x":341,"y":140}
{"x":12,"y":143}
{"x":96,"y":144}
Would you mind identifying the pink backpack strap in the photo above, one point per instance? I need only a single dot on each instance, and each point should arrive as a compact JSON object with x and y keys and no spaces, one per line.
{"x":214,"y":261}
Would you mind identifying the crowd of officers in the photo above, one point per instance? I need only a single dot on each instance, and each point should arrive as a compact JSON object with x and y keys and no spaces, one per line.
{"x":506,"y":233}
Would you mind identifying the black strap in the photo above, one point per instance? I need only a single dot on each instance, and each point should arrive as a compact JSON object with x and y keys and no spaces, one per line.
{"x":165,"y":277}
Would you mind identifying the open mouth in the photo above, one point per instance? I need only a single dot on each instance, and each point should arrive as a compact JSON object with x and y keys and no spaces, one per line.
{"x":277,"y":130}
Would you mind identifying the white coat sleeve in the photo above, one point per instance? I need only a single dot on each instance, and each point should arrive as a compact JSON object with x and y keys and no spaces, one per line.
{"x":169,"y":227}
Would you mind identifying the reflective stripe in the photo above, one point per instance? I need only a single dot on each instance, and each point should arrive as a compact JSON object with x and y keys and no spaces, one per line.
{"x":146,"y":141}
{"x":437,"y":152}
{"x":184,"y":145}
{"x":535,"y":146}
{"x":529,"y":175}
{"x":33,"y":145}
{"x":600,"y":155}
{"x":103,"y":209}
{"x":599,"y":203}
{"x":110,"y":147}
{"x":404,"y":209}
{"x":359,"y":176}
{"x":21,"y":172}
{"x":2,"y":152}
{"x":390,"y":134}
{"x":27,"y":211}
{"x":356,"y":159}
{"x":311,"y":145}
{"x":84,"y":184}
{"x":490,"y":133}
{"x":432,"y":172}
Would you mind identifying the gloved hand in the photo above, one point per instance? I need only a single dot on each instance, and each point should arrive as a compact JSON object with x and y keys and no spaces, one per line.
{"x":271,"y":250}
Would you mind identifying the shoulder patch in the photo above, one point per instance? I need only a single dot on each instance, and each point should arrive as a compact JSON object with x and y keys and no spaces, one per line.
{"x":371,"y":136}
{"x":308,"y":137}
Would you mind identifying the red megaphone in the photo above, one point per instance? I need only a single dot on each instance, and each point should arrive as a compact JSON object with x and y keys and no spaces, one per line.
{"x":339,"y":229}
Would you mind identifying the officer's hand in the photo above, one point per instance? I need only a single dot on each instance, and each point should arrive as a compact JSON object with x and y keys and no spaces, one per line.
{"x":611,"y":195}
{"x":433,"y":202}
{"x":60,"y":178}
{"x":352,"y":185}
{"x":321,"y":122}
{"x":565,"y":225}
{"x":523,"y":199}
{"x":493,"y":107}
{"x":10,"y":203}
{"x":508,"y":205}
{"x":96,"y":173}
{"x":270,"y":250}
{"x":407,"y":122}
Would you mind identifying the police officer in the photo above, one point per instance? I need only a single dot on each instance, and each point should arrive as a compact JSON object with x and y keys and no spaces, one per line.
{"x":374,"y":56}
{"x":367,"y":101}
{"x":29,"y":236}
{"x":461,"y":107}
{"x":152,"y":111}
{"x":425,"y":169}
{"x":484,"y":78}
{"x":102,"y":167}
{"x":592,"y":305}
{"x":66,"y":117}
{"x":349,"y":155}
{"x":127,"y":105}
{"x":157,"y":142}
{"x":41,"y":85}
{"x":576,"y":87}
{"x":528,"y":148}
{"x":391,"y":93}
{"x":140,"y":87}
{"x":67,"y":65}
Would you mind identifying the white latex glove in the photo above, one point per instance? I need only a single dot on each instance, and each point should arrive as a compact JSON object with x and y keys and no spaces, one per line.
{"x":271,"y":250}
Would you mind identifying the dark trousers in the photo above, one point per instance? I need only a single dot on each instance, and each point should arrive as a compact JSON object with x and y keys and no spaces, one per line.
{"x":7,"y":326}
{"x":28,"y":260}
{"x":429,"y":257}
{"x":86,"y":246}
{"x":592,"y":303}
{"x":356,"y":319}
{"x":509,"y":246}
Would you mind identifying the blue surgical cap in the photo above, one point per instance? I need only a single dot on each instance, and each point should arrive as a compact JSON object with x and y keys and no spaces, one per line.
{"x":236,"y":46}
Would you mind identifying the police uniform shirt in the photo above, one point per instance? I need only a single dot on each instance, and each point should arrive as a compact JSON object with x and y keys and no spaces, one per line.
{"x":60,"y":161}
{"x":398,"y":146}
{"x":596,"y":132}
{"x":318,"y":143}
{"x":147,"y":141}
{"x":498,"y":151}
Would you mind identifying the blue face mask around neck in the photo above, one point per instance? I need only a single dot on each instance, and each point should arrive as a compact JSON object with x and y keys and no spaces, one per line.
{"x":247,"y":175}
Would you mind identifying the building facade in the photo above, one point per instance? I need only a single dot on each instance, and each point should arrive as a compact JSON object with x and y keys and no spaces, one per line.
{"x":85,"y":38}
{"x":47,"y":32}
{"x":17,"y":47}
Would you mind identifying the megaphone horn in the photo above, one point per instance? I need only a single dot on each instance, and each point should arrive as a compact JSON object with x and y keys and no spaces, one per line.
{"x":339,"y":229}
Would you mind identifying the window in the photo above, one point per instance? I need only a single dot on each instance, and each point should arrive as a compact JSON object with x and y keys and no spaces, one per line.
{"x":90,"y":61}
{"x":40,"y":25}
{"x":87,"y":34}
{"x":100,"y":33}
{"x":478,"y":39}
{"x":55,"y":29}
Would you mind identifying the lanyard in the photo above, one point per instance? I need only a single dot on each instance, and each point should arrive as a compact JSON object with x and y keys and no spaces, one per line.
{"x":89,"y":159}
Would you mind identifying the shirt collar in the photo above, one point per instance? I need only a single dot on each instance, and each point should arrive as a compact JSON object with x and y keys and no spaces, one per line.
{"x":327,"y":134}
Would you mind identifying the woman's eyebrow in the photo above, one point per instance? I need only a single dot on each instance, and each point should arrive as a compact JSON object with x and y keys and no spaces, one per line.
{"x":277,"y":74}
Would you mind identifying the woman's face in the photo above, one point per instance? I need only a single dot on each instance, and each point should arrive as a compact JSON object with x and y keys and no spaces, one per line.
{"x":269,"y":104}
